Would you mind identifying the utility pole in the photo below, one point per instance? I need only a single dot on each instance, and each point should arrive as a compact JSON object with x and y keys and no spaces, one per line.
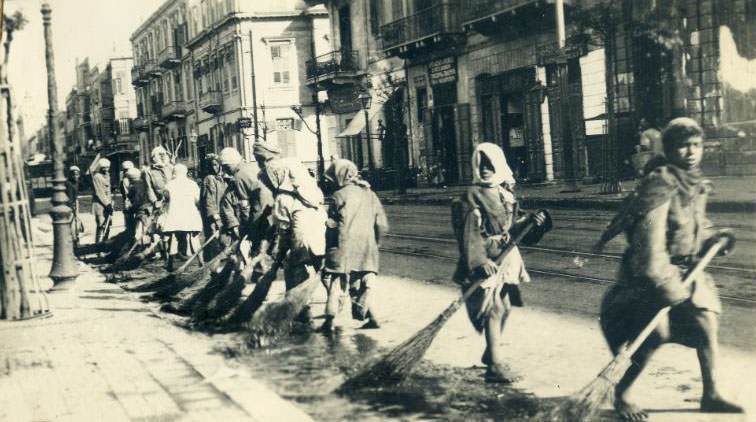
{"x":316,"y":102}
{"x":64,"y":270}
{"x":570,"y":157}
{"x":254,"y":86}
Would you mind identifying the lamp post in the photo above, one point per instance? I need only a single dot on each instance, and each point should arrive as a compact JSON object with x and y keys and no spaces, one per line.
{"x":365,"y":100}
{"x":64,"y":270}
{"x":297,"y":109}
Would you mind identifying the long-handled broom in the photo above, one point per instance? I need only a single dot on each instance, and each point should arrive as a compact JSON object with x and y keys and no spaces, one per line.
{"x":398,"y":363}
{"x":583,"y":405}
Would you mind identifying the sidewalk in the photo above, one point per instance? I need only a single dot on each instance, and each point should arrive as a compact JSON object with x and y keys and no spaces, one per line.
{"x":731,"y":194}
{"x":106,"y":356}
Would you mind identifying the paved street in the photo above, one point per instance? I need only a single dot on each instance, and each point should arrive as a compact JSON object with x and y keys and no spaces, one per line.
{"x":105,"y":345}
{"x":106,"y":356}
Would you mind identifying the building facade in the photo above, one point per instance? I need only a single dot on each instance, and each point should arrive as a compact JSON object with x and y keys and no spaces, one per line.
{"x":212,"y":74}
{"x":476,"y":71}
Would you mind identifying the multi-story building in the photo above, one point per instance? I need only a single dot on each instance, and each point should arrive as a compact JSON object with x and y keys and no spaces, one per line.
{"x":490,"y":70}
{"x":211,"y":74}
{"x":356,"y":71}
{"x":113,"y":109}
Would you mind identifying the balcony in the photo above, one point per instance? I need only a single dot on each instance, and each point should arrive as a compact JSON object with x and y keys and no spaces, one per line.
{"x":211,"y":102}
{"x":138,"y":76}
{"x":431,"y":27}
{"x":335,"y":68}
{"x":174,"y":110}
{"x":170,"y":57}
{"x":487,"y":16}
{"x":152,"y":69}
{"x":142,"y":123}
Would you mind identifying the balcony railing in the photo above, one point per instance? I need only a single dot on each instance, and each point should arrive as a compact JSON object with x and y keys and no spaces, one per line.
{"x":333,"y":62}
{"x":173,"y":110}
{"x":142,"y":123}
{"x":170,"y":57}
{"x":438,"y":19}
{"x":474,"y":10}
{"x":211,"y":101}
{"x":138,"y":76}
{"x":152,"y":69}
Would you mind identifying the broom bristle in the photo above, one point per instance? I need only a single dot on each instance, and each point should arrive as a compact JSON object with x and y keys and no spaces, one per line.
{"x":395,"y":366}
{"x":583,"y":405}
{"x":276,"y":320}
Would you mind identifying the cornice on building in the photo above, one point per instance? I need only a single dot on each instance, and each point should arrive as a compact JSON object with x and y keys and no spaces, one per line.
{"x":153,"y":17}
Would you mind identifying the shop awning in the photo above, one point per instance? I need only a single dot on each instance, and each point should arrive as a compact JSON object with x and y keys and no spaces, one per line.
{"x":357,"y":124}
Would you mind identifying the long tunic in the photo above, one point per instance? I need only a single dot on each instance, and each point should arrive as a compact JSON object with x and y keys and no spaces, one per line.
{"x":490,"y":212}
{"x":101,"y":185}
{"x":255,"y":202}
{"x":183,"y":206}
{"x":359,"y":223}
{"x":305,"y":228}
{"x":213,"y":188}
{"x":663,"y":242}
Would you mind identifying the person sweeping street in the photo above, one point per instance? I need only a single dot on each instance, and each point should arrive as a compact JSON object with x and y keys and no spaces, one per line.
{"x":668,"y":234}
{"x":102,"y":199}
{"x":183,"y":221}
{"x":211,"y":193}
{"x":300,"y":223}
{"x":128,"y":206}
{"x":486,"y":218}
{"x":356,"y":223}
{"x":72,"y":192}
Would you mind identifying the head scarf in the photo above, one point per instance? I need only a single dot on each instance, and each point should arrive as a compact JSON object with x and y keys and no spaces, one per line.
{"x":266,"y":150}
{"x":343,"y":172}
{"x":289,"y":175}
{"x":159,"y":156}
{"x":104,"y":162}
{"x":133,"y":174}
{"x":230,"y":157}
{"x":502,"y":172}
{"x":179,"y":171}
{"x":74,"y":168}
{"x":127,"y":165}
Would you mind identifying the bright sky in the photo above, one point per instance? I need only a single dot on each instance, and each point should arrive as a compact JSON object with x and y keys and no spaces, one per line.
{"x":98,"y":29}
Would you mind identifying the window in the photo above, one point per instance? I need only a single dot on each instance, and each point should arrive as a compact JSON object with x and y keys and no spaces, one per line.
{"x":422,"y":103}
{"x":188,"y":81}
{"x":286,"y":139}
{"x":232,"y":67}
{"x":119,"y":88}
{"x":375,"y":7}
{"x":226,"y":73}
{"x":279,"y":55}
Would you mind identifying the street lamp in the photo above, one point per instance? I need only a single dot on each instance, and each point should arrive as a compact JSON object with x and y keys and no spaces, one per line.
{"x":297,"y":109}
{"x":64,"y":270}
{"x":365,"y":100}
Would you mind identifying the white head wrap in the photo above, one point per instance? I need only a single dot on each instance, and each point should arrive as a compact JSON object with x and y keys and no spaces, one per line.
{"x":502,"y":172}
{"x":230,"y":156}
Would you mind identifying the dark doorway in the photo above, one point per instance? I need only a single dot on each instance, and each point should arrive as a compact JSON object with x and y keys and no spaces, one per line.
{"x":445,"y":144}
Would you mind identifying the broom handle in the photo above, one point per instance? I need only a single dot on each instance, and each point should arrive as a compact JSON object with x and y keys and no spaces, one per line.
{"x":689,"y":277}
{"x":196,"y":254}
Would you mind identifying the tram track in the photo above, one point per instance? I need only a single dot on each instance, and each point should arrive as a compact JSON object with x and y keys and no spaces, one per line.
{"x":750,"y":272}
{"x":550,"y":273}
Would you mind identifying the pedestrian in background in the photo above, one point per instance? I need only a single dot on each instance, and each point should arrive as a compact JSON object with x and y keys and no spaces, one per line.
{"x":102,"y":199}
{"x":183,"y":221}
{"x":356,"y":223}
{"x":72,"y":192}
{"x":489,"y":212}
{"x":668,"y":234}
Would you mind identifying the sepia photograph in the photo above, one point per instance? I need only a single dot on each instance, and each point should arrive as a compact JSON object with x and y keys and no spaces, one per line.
{"x":378,"y":210}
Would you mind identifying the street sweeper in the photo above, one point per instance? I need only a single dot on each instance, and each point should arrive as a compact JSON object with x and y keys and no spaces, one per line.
{"x":483,"y":219}
{"x":667,"y":234}
{"x":356,"y":223}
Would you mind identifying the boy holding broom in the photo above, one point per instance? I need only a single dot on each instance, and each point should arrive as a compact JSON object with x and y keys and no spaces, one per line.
{"x":668,"y":234}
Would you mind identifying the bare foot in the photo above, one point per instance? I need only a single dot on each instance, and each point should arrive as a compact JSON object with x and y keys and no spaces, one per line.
{"x":628,"y":411}
{"x":717,"y":404}
{"x":501,"y":374}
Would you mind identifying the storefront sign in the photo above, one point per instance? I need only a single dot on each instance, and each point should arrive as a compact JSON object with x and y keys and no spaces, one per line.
{"x":443,"y":71}
{"x":344,"y":99}
{"x":244,"y":122}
